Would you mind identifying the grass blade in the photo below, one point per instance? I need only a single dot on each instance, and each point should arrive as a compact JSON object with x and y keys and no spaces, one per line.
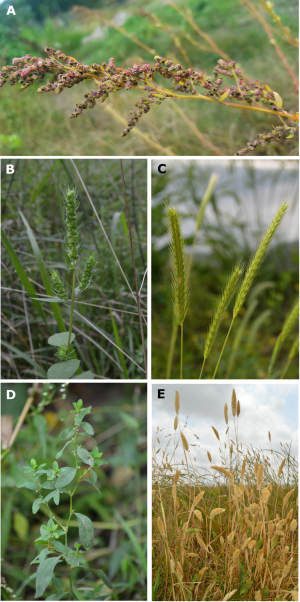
{"x":118,"y":341}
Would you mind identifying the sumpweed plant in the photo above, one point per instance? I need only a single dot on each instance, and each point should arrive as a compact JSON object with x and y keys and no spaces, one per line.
{"x":239,"y":285}
{"x":228,"y":535}
{"x":66,"y":72}
{"x":68,"y":362}
{"x":52,"y":485}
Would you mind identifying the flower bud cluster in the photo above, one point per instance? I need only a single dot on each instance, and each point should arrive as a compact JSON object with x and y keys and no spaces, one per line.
{"x":58,"y":285}
{"x":73,"y":226}
{"x":63,"y":355}
{"x":88,"y":272}
{"x":263,"y":139}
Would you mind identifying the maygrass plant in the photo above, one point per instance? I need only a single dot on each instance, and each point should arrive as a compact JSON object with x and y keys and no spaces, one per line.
{"x":68,"y":362}
{"x":229,"y":533}
{"x":239,"y":283}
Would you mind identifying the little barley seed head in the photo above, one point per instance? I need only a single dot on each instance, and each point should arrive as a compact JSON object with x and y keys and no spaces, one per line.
{"x":223,"y":303}
{"x":175,"y":423}
{"x":257,"y":259}
{"x":209,"y":456}
{"x":179,"y":266}
{"x":184,"y":442}
{"x":293,"y":525}
{"x":259,"y":476}
{"x":161,"y":527}
{"x":281,"y":467}
{"x":238,"y":409}
{"x":287,"y":497}
{"x":176,"y":402}
{"x":216,"y":432}
{"x":233,"y":402}
{"x":215,"y":512}
{"x":226,"y":413}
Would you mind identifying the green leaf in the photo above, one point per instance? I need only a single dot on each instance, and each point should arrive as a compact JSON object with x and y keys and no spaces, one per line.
{"x":40,"y":557}
{"x":66,"y":434}
{"x":87,"y":428}
{"x":30,"y":290}
{"x":61,"y":451}
{"x":278,"y":100}
{"x":39,"y":185}
{"x":291,"y":136}
{"x":60,"y":338}
{"x":88,"y":375}
{"x":72,"y":560}
{"x":43,"y":271}
{"x":49,"y":497}
{"x":61,"y":594}
{"x":56,"y":497}
{"x":47,"y":485}
{"x":48,"y":299}
{"x":86,"y":530}
{"x":36,"y":505}
{"x":224,"y":95}
{"x":44,"y":574}
{"x":63,"y":370}
{"x":93,"y":478}
{"x":66,"y":476}
{"x":27,"y":484}
{"x":59,"y":547}
{"x":84,"y":455}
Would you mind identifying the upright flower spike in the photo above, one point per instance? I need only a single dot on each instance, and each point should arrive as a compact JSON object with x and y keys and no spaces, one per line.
{"x":58,"y":285}
{"x":179,"y":268}
{"x":88,"y":272}
{"x":73,"y":225}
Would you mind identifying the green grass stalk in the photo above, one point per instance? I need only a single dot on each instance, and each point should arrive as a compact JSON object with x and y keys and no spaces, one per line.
{"x":286,"y":329}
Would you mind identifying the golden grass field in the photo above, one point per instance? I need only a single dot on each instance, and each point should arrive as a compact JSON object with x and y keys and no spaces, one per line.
{"x":232,"y":537}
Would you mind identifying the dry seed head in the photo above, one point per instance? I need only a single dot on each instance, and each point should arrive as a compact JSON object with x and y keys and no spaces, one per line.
{"x":293,"y":525}
{"x":209,"y":456}
{"x":230,"y":536}
{"x":238,"y":409}
{"x":161,"y":527}
{"x":236,"y":554}
{"x":184,"y":442}
{"x":252,"y":544}
{"x":269,"y":435}
{"x":243,"y":469}
{"x":226,"y":413}
{"x":281,"y":467}
{"x":201,"y":573}
{"x":198,"y":498}
{"x":237,"y":491}
{"x":175,"y":423}
{"x":245,"y":543}
{"x":216,"y":432}
{"x":228,"y":596}
{"x":179,"y":570}
{"x":290,"y":514}
{"x":201,"y":542}
{"x":176,"y":402}
{"x":225,"y":472}
{"x":295,"y":594}
{"x":174,"y":492}
{"x":265,"y":494}
{"x":173,"y":568}
{"x":258,"y":595}
{"x":233,"y":402}
{"x":287,"y":497}
{"x":198,"y":514}
{"x":259,"y":476}
{"x":215,"y":512}
{"x":287,"y":568}
{"x":177,"y":475}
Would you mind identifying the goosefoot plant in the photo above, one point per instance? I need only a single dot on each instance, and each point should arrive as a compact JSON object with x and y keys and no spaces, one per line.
{"x":65,"y":72}
{"x":69,"y":363}
{"x":58,"y":481}
{"x":229,"y":532}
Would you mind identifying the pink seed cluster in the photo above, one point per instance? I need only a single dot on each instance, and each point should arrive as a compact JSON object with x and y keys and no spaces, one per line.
{"x":65,"y":72}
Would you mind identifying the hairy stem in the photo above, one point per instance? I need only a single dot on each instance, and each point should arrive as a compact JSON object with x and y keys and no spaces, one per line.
{"x":172,"y":348}
{"x":228,"y":333}
{"x":181,"y":350}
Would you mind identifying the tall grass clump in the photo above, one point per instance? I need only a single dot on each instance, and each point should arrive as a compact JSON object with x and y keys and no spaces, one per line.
{"x":230,"y":532}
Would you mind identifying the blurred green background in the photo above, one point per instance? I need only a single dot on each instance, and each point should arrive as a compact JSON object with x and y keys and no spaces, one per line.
{"x":119,"y":419}
{"x":34,"y":124}
{"x":106,"y":307}
{"x":245,"y":200}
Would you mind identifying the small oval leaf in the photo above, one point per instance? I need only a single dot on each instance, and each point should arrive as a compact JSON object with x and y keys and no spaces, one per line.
{"x":278,"y":100}
{"x":87,"y":427}
{"x":27,"y":484}
{"x":86,"y":530}
{"x":61,"y":338}
{"x":66,"y":476}
{"x":61,"y":451}
{"x":63,"y":370}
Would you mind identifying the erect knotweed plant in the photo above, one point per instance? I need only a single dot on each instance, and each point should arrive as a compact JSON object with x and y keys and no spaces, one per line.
{"x":61,"y":482}
{"x":65,"y":72}
{"x":68,"y":362}
{"x":180,"y":272}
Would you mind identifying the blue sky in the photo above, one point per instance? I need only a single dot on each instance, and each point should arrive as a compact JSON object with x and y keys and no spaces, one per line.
{"x":264,"y":407}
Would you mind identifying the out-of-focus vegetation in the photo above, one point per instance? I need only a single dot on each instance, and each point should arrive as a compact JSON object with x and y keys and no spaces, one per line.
{"x":33,"y":124}
{"x":243,"y":203}
{"x":119,"y":419}
{"x":106,"y":319}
